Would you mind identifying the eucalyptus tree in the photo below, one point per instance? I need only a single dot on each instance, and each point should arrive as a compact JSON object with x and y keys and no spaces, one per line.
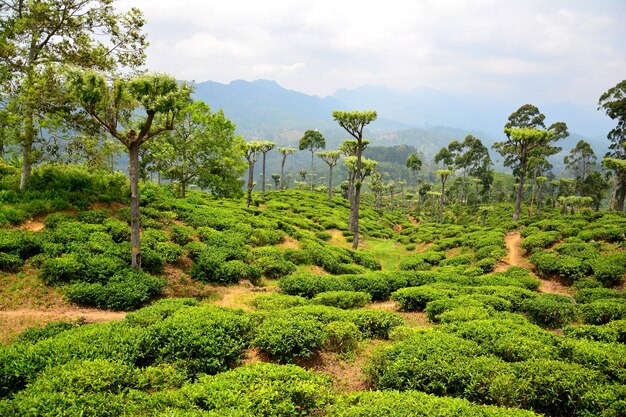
{"x":202,"y":148}
{"x":527,"y":135}
{"x":580,"y":160}
{"x":443,"y":175}
{"x":264,"y":147}
{"x":354,"y":122}
{"x":378,"y":187}
{"x":37,"y":36}
{"x":470,"y":158}
{"x":252,"y":150}
{"x":133,"y":111}
{"x":276,"y":179}
{"x":349,"y":148}
{"x":312,"y":141}
{"x":414,"y":164}
{"x":613,"y":102}
{"x":284,"y":152}
{"x":331,"y":158}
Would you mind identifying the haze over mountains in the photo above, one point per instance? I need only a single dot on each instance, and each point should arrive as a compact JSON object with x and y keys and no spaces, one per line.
{"x":425,"y":118}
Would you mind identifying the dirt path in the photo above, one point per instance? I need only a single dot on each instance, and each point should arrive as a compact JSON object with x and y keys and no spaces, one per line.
{"x":514,"y":257}
{"x":413,"y":220}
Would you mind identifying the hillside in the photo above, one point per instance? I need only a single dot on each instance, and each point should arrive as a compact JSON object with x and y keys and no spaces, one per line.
{"x":475,"y":316}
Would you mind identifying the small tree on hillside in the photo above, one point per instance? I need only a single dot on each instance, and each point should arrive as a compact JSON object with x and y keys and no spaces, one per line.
{"x":354,"y":122}
{"x":116,"y":106}
{"x":313,"y":141}
{"x":443,"y":175}
{"x":414,"y":164}
{"x":331,"y":158}
{"x":264,"y":147}
{"x":252,"y":152}
{"x":284,"y":152}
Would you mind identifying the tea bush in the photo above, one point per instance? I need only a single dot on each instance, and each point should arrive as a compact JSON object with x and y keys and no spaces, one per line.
{"x":342,"y":299}
{"x":286,"y":340}
{"x":550,"y":310}
{"x":277,"y":301}
{"x":416,"y":298}
{"x":603,"y":311}
{"x":342,"y":337}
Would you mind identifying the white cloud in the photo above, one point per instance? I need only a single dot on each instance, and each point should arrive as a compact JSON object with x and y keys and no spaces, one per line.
{"x":569,"y":48}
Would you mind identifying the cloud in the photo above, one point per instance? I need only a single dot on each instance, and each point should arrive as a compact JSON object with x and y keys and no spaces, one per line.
{"x":570,"y":49}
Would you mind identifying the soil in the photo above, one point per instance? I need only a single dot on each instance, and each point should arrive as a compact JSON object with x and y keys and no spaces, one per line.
{"x":413,"y":220}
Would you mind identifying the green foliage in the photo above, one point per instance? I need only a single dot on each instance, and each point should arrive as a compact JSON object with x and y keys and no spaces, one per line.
{"x":550,"y":310}
{"x":10,"y":262}
{"x":342,"y":299}
{"x":277,"y":301}
{"x":33,"y":335}
{"x":603,"y":311}
{"x":286,"y":340}
{"x":416,"y":298}
{"x":342,"y":337}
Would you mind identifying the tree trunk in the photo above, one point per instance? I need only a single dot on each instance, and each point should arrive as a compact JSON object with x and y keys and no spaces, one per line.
{"x":520,"y":191}
{"x":350,"y":198}
{"x":312,"y":154}
{"x":250,"y":183}
{"x":354,"y":208}
{"x":621,"y":193}
{"x":27,"y":149}
{"x":539,"y":198}
{"x":330,"y":183}
{"x":282,"y":173}
{"x":133,"y":171}
{"x":442,"y":201}
{"x":263,"y":185}
{"x":183,"y":188}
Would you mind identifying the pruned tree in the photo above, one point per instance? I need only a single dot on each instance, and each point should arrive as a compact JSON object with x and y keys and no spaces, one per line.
{"x":331,"y":158}
{"x":613,"y":102}
{"x":284,"y":152}
{"x":116,"y":105}
{"x":276,"y":179}
{"x":414,"y":164}
{"x":251,"y":153}
{"x":37,"y":36}
{"x":443,"y":175}
{"x":313,"y":141}
{"x":526,"y":135}
{"x":264,"y":147}
{"x":354,"y":122}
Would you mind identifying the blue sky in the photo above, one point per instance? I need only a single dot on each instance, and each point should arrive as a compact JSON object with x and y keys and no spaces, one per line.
{"x":523,"y":50}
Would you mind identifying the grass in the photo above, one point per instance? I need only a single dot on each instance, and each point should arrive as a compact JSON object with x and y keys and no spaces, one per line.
{"x":388,"y":252}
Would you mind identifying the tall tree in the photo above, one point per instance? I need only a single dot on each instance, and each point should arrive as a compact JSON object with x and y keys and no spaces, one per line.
{"x":354,"y":122}
{"x":253,"y":148}
{"x":443,"y":175}
{"x":116,"y":107}
{"x":203,"y":148}
{"x":284,"y":152}
{"x":38,"y":35}
{"x":414,"y":164}
{"x":331,"y":158}
{"x":264,"y":147}
{"x":613,"y":102}
{"x":470,"y":157}
{"x":313,"y":141}
{"x":580,"y":161}
{"x":526,"y":134}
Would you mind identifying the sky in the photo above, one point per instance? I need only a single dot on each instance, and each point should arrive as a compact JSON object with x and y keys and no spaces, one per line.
{"x":525,"y":49}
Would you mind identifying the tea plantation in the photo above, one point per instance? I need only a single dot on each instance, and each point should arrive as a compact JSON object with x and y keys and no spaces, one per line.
{"x":425,"y":319}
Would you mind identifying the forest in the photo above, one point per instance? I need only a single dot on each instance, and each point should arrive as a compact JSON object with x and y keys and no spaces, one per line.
{"x":151,"y":265}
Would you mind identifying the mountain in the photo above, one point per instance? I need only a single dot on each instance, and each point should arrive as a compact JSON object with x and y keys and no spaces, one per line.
{"x":425,"y":118}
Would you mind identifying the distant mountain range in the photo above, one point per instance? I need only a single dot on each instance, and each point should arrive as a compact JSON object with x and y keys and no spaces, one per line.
{"x":425,"y":118}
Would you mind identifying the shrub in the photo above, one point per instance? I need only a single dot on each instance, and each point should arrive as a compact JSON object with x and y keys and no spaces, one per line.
{"x":416,"y":298}
{"x":590,"y":332}
{"x":33,"y":335}
{"x":274,"y":266}
{"x":308,"y":285}
{"x":258,"y":389}
{"x":603,"y":311}
{"x":365,"y":260}
{"x":465,"y":313}
{"x":286,"y":340}
{"x":550,"y":310}
{"x":374,"y":323}
{"x":158,"y":311}
{"x":180,"y":234}
{"x":588,"y":295}
{"x":457,"y":260}
{"x":119,"y":230}
{"x":10,"y":262}
{"x":608,"y":270}
{"x":62,"y":270}
{"x":323,"y":236}
{"x":486,"y":265}
{"x":275,"y":301}
{"x":342,"y":337}
{"x":342,"y":299}
{"x":379,"y":285}
{"x":540,"y":240}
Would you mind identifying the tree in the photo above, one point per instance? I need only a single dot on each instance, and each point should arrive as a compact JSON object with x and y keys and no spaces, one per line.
{"x":443,"y":175}
{"x":580,"y":161}
{"x":284,"y":152}
{"x":116,"y":106}
{"x":526,"y":135}
{"x":331,"y":158}
{"x":354,"y":122}
{"x":414,"y":163}
{"x":613,"y":102}
{"x":251,"y":152}
{"x":37,"y":36}
{"x":313,"y":141}
{"x":444,"y":156}
{"x":276,"y":178}
{"x":264,"y":147}
{"x":202,"y":148}
{"x":378,"y":187}
{"x":470,"y":157}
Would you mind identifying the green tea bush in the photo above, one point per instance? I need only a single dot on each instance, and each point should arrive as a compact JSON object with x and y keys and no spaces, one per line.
{"x":308,"y":285}
{"x":158,"y":311}
{"x":607,"y":358}
{"x":486,"y":265}
{"x":271,"y":261}
{"x":124,"y":291}
{"x":365,"y":260}
{"x":550,"y":310}
{"x":416,"y":298}
{"x":119,"y":230}
{"x":53,"y":219}
{"x":610,"y":269}
{"x":342,"y":337}
{"x":286,"y":340}
{"x":549,"y":264}
{"x":591,"y":332}
{"x":603,"y":311}
{"x":342,"y":299}
{"x":412,"y":404}
{"x":515,"y":295}
{"x":373,"y":323}
{"x":10,"y":262}
{"x":199,"y":339}
{"x":33,"y":335}
{"x":380,"y":285}
{"x":540,"y":240}
{"x":62,"y":270}
{"x":589,"y":295}
{"x":180,"y":234}
{"x":457,"y":260}
{"x":275,"y":301}
{"x":422,"y":261}
{"x":465,"y":313}
{"x":258,"y":389}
